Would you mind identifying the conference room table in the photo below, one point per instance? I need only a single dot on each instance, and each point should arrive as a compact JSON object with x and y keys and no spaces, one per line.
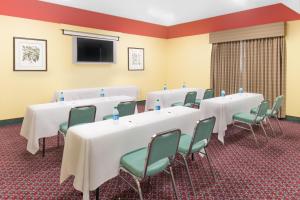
{"x":223,"y":108}
{"x":168,"y":97}
{"x":43,"y":120}
{"x":92,"y":152}
{"x":86,"y":93}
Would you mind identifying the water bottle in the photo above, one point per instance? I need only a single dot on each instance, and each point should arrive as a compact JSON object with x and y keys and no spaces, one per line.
{"x":115,"y":114}
{"x":102,"y":92}
{"x":241,"y":90}
{"x":183,"y":85}
{"x":61,"y":96}
{"x":165,"y":87}
{"x":157,"y":105}
{"x":223,"y":93}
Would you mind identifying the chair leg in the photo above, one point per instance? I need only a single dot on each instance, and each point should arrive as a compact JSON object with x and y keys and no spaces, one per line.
{"x":253,"y":134}
{"x":269,"y":122}
{"x":189,"y":175}
{"x":262,"y":126}
{"x":193,"y":157}
{"x":209,"y":163}
{"x":173,"y":182}
{"x":44,"y":147}
{"x":279,"y":124}
{"x":97,"y":193}
{"x":139,"y":188}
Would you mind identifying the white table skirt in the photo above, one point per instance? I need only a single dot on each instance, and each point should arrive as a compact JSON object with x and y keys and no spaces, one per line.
{"x":92,"y":152}
{"x":223,"y":108}
{"x":87,"y":93}
{"x":168,"y":97}
{"x":43,"y":120}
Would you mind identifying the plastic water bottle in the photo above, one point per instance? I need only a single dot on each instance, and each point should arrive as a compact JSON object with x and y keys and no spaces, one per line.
{"x":165,"y":87}
{"x":61,"y":96}
{"x":157,"y":105}
{"x":183,"y":85}
{"x":241,"y":90}
{"x":102,"y":93}
{"x":115,"y":114}
{"x":223,"y":93}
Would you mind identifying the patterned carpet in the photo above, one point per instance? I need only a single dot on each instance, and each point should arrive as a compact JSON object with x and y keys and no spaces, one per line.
{"x":243,"y":171}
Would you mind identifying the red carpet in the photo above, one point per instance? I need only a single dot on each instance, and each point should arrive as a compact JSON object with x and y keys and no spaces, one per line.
{"x":243,"y":171}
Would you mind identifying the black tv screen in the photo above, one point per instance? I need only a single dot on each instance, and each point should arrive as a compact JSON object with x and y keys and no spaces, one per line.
{"x":93,"y":50}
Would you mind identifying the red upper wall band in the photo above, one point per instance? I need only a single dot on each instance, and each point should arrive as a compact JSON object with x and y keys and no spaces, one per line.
{"x":38,"y":10}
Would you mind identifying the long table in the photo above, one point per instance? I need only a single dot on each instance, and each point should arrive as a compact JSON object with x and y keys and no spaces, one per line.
{"x":43,"y":120}
{"x":86,"y":93}
{"x":223,"y":108}
{"x":92,"y":152}
{"x":168,"y":97}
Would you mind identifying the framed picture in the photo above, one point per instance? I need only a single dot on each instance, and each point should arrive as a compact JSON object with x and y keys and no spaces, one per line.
{"x":30,"y":54}
{"x":135,"y":59}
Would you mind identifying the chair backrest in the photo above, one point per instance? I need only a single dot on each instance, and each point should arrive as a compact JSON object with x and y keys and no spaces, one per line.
{"x":202,"y":131}
{"x":190,"y":97}
{"x":81,"y":115}
{"x":262,"y":110}
{"x":126,"y":108}
{"x":277,"y":105}
{"x":162,"y":145}
{"x":209,"y":93}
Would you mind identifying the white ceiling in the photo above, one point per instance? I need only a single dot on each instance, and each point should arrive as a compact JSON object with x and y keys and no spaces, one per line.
{"x":170,"y":12}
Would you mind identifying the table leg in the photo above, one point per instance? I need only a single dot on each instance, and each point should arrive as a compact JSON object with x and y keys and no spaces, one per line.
{"x":44,"y":146}
{"x":97,"y":193}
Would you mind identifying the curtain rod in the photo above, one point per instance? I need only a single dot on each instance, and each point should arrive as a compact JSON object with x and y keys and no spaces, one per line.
{"x":90,"y":35}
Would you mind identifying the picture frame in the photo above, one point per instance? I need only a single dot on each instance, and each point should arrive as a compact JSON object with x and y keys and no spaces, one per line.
{"x":30,"y":54}
{"x":136,"y":60}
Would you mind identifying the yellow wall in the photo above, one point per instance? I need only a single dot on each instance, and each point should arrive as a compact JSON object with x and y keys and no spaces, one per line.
{"x":189,"y":61}
{"x":19,"y":89}
{"x":293,"y":68}
{"x":173,"y":61}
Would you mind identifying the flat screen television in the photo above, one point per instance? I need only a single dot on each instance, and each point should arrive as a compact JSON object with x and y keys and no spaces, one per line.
{"x":97,"y":51}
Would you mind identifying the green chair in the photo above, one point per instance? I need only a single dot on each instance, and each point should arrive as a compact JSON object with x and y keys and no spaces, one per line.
{"x":124,"y":108}
{"x":77,"y":115}
{"x":273,"y":112}
{"x":146,"y":162}
{"x":253,"y":119}
{"x":209,"y":93}
{"x":196,"y":143}
{"x":189,"y":100}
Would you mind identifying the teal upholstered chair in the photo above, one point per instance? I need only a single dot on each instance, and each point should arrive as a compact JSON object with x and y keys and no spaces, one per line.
{"x":77,"y":115}
{"x":209,"y":93}
{"x":147,"y":162}
{"x":196,"y":143}
{"x":124,"y":108}
{"x":273,"y":112}
{"x":189,"y":100}
{"x":253,"y":119}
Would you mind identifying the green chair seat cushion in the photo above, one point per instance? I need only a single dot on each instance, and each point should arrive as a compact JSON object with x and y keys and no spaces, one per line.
{"x":185,"y":142}
{"x":255,"y":111}
{"x":106,"y":117}
{"x":177,"y":104}
{"x":246,"y":118}
{"x":63,"y":128}
{"x":134,"y":162}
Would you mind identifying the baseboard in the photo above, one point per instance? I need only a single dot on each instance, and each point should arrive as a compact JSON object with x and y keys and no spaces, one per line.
{"x":292,"y":118}
{"x":11,"y":121}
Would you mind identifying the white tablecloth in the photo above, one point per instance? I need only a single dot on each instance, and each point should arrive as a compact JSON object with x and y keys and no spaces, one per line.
{"x":223,"y":108}
{"x":87,"y":93}
{"x":92,"y":152}
{"x":43,"y":120}
{"x":168,"y":97}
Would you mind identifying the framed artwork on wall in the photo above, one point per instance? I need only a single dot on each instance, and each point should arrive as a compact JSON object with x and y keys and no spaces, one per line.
{"x":135,"y":59}
{"x":30,"y":54}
